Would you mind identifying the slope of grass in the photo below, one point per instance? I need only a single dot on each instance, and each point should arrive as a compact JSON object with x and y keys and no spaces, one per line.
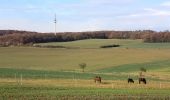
{"x":130,"y":56}
{"x":96,"y":43}
{"x":150,"y":66}
{"x":39,"y":74}
{"x":69,"y":59}
{"x":91,"y":43}
{"x":150,"y":45}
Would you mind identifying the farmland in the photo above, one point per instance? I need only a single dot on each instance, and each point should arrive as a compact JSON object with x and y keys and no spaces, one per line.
{"x":41,"y":73}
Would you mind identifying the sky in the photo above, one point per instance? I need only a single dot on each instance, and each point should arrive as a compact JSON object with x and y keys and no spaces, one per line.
{"x":84,"y":15}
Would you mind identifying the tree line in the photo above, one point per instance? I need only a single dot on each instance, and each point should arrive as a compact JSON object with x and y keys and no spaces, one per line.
{"x":14,"y":37}
{"x":157,"y":37}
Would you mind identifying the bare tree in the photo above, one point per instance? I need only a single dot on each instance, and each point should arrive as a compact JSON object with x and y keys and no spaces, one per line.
{"x":142,"y":69}
{"x":82,"y":66}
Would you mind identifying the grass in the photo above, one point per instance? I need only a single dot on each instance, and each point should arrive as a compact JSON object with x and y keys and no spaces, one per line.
{"x":150,"y":66}
{"x":150,"y":45}
{"x":96,"y":43}
{"x":69,"y":59}
{"x":39,"y":74}
{"x":65,"y":93}
{"x":84,"y":83}
{"x":54,"y":73}
{"x":92,"y":43}
{"x":61,"y":63}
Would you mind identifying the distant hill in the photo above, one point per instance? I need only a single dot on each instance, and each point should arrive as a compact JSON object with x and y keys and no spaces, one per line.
{"x":15,"y":37}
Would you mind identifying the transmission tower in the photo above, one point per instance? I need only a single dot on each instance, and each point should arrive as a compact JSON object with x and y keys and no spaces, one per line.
{"x":55,"y":22}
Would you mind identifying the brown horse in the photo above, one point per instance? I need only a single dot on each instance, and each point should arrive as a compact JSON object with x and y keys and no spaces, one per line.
{"x":97,"y":79}
{"x":142,"y":80}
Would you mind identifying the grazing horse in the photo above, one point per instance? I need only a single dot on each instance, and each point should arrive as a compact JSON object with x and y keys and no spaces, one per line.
{"x":130,"y":80}
{"x":97,"y":79}
{"x":142,"y":80}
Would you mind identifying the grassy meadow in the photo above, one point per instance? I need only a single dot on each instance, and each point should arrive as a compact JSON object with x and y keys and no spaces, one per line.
{"x":54,"y":73}
{"x":89,"y":51}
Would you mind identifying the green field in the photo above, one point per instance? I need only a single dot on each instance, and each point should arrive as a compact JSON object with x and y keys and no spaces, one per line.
{"x":96,"y":43}
{"x":55,"y":72}
{"x":67,"y":93}
{"x":96,"y":58}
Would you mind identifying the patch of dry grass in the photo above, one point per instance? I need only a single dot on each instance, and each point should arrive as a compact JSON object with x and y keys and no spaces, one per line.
{"x":114,"y":84}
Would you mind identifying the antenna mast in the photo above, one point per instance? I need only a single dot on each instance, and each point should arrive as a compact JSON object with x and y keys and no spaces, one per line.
{"x":55,"y":22}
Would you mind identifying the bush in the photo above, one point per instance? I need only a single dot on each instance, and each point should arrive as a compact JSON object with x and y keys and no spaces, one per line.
{"x":110,"y":46}
{"x":49,"y":46}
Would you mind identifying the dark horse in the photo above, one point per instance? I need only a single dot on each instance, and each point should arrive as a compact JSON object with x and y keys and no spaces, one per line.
{"x":142,"y":80}
{"x":97,"y":79}
{"x":130,"y":80}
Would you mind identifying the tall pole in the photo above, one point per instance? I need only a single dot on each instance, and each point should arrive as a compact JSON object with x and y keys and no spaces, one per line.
{"x":55,"y":22}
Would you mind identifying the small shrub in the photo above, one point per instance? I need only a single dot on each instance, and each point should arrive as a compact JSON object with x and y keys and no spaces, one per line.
{"x":110,"y":46}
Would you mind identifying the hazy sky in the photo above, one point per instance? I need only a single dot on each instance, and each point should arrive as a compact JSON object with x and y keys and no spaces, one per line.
{"x":85,"y":15}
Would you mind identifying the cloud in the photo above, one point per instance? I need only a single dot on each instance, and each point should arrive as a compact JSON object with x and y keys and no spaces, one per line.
{"x":155,"y":12}
{"x":166,"y":4}
{"x":108,"y":2}
{"x":7,"y":10}
{"x":25,"y":24}
{"x":142,"y":23}
{"x":149,"y":12}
